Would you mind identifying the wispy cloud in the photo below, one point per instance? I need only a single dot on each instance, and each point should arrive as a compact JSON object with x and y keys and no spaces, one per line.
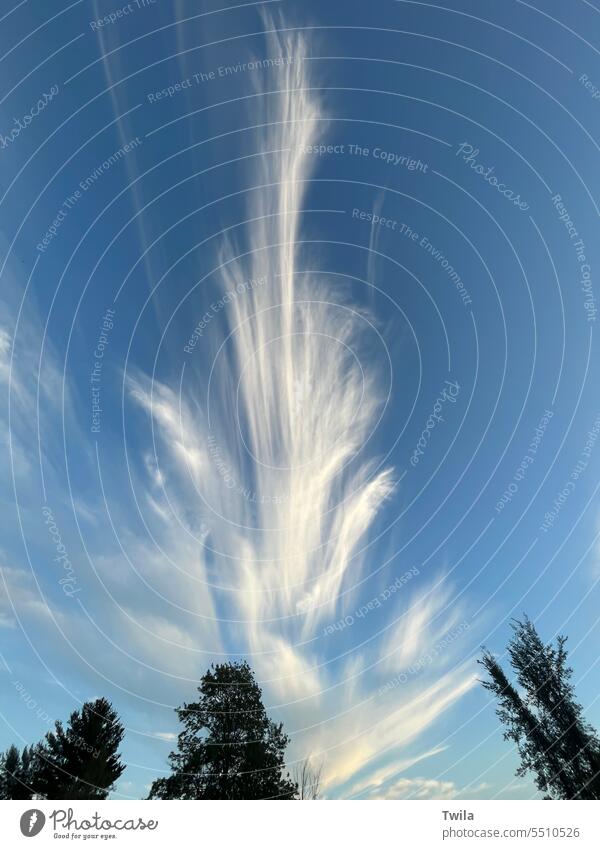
{"x":273,"y":449}
{"x":255,"y":497}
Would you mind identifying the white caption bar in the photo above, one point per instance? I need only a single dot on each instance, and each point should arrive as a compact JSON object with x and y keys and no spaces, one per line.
{"x":291,"y":825}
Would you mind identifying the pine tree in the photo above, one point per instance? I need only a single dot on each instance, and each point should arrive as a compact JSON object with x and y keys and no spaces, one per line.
{"x":229,"y":748}
{"x":15,"y":777}
{"x":544,"y":721}
{"x":80,"y":761}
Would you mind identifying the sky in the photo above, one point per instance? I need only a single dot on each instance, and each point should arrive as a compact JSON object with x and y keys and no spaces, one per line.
{"x":299,"y":365}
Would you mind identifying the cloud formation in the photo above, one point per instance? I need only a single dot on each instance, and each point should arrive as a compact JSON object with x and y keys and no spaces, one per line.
{"x":274,"y":451}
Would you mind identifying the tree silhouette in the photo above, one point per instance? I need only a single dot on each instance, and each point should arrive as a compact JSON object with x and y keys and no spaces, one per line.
{"x":542,"y":718}
{"x":15,"y":774}
{"x":80,"y":761}
{"x":229,"y":748}
{"x":307,"y":777}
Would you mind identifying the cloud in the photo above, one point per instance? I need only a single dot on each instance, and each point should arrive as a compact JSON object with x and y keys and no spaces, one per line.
{"x":386,"y":726}
{"x":417,"y":788}
{"x":167,"y":736}
{"x":426,"y":630}
{"x":380,"y":777}
{"x":287,"y":491}
{"x":249,"y":528}
{"x":19,"y":598}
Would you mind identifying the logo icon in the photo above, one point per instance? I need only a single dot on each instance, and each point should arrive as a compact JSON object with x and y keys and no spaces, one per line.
{"x":32,"y":822}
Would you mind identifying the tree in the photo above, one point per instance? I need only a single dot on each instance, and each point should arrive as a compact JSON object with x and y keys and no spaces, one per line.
{"x":15,"y":774}
{"x":308,"y":779}
{"x":542,"y":718}
{"x":80,"y":761}
{"x":229,"y":748}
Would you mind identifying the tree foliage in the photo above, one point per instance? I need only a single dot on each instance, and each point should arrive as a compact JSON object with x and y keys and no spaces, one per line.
{"x":542,"y":717}
{"x":15,"y":774}
{"x":79,"y":761}
{"x":228,"y":748}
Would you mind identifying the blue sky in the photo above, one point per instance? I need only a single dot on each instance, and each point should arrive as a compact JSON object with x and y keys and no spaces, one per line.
{"x":299,"y":364}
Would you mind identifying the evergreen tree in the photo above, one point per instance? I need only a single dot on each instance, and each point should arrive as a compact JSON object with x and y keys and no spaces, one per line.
{"x":542,"y":717}
{"x":15,"y":775}
{"x":80,"y":761}
{"x":229,"y":748}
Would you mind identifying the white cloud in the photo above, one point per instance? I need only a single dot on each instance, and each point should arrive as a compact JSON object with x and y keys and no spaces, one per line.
{"x":425,"y":630}
{"x":19,"y":598}
{"x":417,"y":788}
{"x":167,"y":736}
{"x":291,"y":507}
{"x":286,"y":514}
